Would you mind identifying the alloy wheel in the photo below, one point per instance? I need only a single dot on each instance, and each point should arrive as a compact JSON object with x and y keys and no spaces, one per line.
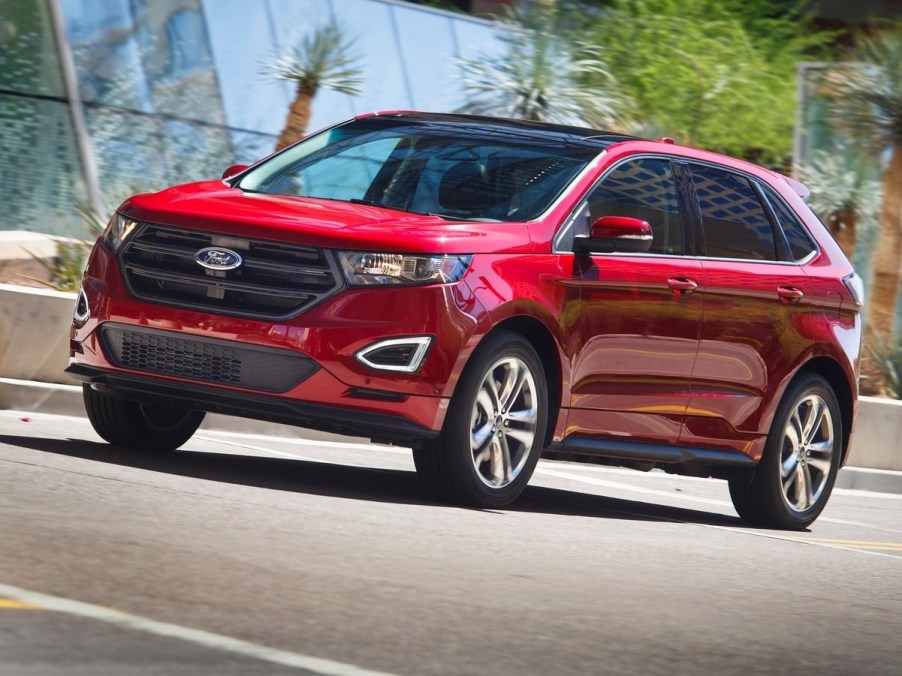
{"x":503,"y":422}
{"x":807,"y":455}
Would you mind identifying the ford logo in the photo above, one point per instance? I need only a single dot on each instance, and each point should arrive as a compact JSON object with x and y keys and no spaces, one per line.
{"x":217,"y":258}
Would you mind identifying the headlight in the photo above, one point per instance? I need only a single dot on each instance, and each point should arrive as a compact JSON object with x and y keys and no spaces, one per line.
{"x":118,"y":230}
{"x":367,"y":269}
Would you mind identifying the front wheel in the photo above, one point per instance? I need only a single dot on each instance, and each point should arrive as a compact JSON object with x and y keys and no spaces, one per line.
{"x":144,"y":427}
{"x":495,"y":428}
{"x":792,"y":483}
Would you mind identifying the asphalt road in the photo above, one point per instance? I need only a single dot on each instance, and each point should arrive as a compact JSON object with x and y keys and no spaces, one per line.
{"x":264,"y":555}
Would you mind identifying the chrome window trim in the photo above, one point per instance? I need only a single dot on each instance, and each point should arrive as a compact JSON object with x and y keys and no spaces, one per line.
{"x":557,"y":249}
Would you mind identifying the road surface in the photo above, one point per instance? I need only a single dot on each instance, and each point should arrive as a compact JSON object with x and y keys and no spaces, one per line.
{"x":253,"y":555}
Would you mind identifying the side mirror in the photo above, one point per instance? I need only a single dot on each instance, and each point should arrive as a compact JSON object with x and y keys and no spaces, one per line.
{"x":615,"y":233}
{"x":234,"y":169}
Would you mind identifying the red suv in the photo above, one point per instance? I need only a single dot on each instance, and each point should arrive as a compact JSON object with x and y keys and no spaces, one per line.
{"x":485,"y":291}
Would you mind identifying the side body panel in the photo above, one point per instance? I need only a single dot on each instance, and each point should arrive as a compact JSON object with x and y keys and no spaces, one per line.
{"x":637,"y":341}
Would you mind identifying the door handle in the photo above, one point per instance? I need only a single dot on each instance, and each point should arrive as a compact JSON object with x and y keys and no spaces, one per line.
{"x":682,"y":284}
{"x":789,"y":294}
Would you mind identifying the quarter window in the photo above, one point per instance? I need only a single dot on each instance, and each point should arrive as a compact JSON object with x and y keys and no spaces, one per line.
{"x":734,"y":222}
{"x":800,"y":244}
{"x":643,"y":189}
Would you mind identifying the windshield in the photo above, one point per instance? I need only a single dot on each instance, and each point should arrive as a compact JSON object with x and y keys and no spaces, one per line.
{"x":457,"y":170}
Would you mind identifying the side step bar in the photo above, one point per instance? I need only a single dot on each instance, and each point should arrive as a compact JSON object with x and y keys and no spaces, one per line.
{"x":656,"y":453}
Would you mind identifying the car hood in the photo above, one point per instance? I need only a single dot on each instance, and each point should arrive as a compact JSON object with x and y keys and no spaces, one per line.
{"x":213,"y":205}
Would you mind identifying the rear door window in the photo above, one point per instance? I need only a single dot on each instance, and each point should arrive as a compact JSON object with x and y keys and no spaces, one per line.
{"x":734,"y":221}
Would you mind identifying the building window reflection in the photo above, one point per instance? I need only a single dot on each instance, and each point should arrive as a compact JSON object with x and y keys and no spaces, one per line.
{"x":172,"y":90}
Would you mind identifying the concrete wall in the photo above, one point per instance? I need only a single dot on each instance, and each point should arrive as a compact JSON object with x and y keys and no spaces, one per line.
{"x":34,"y":333}
{"x":878,"y":434}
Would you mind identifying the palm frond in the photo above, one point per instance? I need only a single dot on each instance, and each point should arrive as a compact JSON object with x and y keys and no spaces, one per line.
{"x":839,"y":182}
{"x":540,"y":76}
{"x":322,"y":59}
{"x":867,"y":89}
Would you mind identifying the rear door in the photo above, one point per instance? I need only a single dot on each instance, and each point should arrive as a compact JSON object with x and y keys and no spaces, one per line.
{"x":756,"y":303}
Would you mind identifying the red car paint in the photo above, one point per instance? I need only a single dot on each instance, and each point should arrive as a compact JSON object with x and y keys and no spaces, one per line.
{"x":671,"y":350}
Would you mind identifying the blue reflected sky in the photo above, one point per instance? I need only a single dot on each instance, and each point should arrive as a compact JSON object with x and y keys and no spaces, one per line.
{"x":407,"y":55}
{"x":174,"y":90}
{"x":205,"y":59}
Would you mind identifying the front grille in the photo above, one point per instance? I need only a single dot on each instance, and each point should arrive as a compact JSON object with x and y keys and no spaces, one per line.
{"x":208,"y":360}
{"x":276,"y":280}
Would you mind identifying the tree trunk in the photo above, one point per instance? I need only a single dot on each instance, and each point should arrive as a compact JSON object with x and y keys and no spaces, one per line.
{"x":298,"y":116}
{"x":888,"y":259}
{"x":844,"y":226}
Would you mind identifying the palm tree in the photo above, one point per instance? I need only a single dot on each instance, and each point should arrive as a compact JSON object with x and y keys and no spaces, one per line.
{"x":323,"y":59}
{"x":868,"y":103}
{"x":540,"y":76}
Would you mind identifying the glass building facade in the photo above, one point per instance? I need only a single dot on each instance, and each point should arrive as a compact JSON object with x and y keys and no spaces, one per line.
{"x":103,"y":98}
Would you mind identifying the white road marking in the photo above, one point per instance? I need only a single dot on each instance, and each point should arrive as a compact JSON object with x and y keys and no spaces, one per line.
{"x":314,"y":443}
{"x":545,"y":471}
{"x":708,"y":501}
{"x":545,"y":467}
{"x":253,"y":448}
{"x":207,"y":639}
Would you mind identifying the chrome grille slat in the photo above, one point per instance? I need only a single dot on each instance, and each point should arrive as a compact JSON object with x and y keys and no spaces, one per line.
{"x":277,"y":280}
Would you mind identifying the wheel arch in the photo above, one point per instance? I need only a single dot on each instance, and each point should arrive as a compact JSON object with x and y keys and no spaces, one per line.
{"x":835,"y":376}
{"x":546,"y":347}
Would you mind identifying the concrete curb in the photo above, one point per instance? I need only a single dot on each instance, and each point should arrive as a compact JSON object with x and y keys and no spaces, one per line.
{"x":865,"y":479}
{"x":26,"y":395}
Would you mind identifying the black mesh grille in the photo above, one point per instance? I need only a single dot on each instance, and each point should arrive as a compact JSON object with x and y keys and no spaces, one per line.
{"x":208,"y":360}
{"x":398,"y":355}
{"x":276,"y":280}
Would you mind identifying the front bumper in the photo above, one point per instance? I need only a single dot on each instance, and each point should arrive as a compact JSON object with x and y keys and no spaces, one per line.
{"x":340,"y":420}
{"x":337,"y":392}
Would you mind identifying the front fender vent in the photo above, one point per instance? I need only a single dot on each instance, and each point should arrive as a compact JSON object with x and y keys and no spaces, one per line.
{"x":398,"y":354}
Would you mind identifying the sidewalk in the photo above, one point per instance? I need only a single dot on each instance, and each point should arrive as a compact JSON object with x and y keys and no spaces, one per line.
{"x":25,"y":395}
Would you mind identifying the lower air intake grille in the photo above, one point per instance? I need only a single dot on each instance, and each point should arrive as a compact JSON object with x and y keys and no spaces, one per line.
{"x":209,"y":360}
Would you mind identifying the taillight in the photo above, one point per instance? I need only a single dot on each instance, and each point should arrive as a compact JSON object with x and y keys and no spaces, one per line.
{"x":856,"y":288}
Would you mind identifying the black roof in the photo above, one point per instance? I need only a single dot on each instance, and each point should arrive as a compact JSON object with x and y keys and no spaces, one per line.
{"x":508,"y":127}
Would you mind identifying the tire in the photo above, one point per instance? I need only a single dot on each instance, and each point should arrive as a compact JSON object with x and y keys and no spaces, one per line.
{"x":494,"y":431}
{"x":793,"y":481}
{"x":143,"y":427}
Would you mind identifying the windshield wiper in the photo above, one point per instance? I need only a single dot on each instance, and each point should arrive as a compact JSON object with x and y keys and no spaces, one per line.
{"x":376,"y":203}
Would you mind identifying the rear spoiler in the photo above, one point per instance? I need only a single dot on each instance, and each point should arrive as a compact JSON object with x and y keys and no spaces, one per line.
{"x":797,"y":187}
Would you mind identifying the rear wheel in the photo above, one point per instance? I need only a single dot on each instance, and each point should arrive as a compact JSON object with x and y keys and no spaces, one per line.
{"x":792,"y":483}
{"x":495,"y":428}
{"x":140,"y":426}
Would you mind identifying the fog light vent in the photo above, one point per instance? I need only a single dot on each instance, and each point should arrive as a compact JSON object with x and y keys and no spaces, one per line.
{"x":398,"y":354}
